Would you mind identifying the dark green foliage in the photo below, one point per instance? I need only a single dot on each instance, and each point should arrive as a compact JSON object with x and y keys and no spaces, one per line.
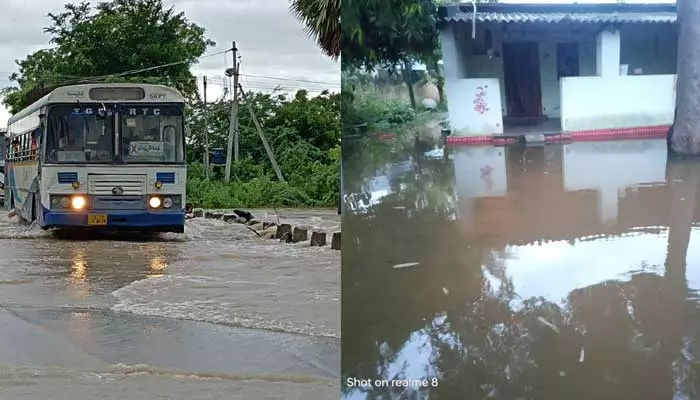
{"x":113,"y":37}
{"x":322,"y":21}
{"x":305,"y":136}
{"x":387,"y":32}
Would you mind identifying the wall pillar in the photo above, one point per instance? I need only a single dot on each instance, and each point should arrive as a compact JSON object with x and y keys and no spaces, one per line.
{"x":608,"y":53}
{"x":452,"y":60}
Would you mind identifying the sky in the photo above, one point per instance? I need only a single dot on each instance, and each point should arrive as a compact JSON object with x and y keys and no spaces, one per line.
{"x":271,"y":43}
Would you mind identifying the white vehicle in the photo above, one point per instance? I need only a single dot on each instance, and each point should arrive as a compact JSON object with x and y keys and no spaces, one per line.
{"x":106,"y":156}
{"x":3,"y":153}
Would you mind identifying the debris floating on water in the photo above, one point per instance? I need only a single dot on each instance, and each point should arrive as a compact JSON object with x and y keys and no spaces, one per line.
{"x":444,"y":290}
{"x":548,"y":324}
{"x":581,"y":357}
{"x":404,"y":265}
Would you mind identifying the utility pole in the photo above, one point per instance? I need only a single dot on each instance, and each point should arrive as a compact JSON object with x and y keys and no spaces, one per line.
{"x":206,"y":131}
{"x":234,"y":114}
{"x":268,"y":149}
{"x":236,"y":131}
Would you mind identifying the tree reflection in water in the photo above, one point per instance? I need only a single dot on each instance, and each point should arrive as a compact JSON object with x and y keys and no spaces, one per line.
{"x":456,"y":315}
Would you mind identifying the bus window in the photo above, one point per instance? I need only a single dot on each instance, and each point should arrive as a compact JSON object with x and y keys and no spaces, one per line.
{"x":169,"y":142}
{"x":3,"y":147}
{"x":23,"y":146}
{"x":78,"y":136}
{"x":152,"y":134}
{"x":15,"y":148}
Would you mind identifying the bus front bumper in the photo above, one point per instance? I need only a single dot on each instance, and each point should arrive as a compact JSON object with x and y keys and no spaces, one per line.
{"x":152,"y":221}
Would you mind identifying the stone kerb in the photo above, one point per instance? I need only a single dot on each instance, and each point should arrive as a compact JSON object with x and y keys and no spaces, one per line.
{"x":283,"y":232}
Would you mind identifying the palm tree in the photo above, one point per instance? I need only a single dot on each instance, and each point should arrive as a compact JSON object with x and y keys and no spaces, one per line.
{"x":322,"y":20}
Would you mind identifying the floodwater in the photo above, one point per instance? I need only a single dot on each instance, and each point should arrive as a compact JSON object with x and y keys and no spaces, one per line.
{"x":553,"y":272}
{"x":215,"y":313}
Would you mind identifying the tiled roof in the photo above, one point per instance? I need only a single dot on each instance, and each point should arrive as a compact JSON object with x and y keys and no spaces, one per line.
{"x":554,"y":17}
{"x":560,"y":13}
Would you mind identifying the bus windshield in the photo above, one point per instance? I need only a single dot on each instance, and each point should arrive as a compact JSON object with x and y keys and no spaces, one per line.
{"x":80,"y":134}
{"x":152,"y":134}
{"x":86,"y":134}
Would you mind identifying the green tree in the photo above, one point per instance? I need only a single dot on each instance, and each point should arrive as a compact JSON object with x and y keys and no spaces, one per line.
{"x":304,"y":133}
{"x":322,"y":20}
{"x":387,"y":32}
{"x":104,"y":41}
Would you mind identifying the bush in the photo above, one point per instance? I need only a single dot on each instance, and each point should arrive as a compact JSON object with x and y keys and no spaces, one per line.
{"x":308,"y":183}
{"x":364,"y":103}
{"x":304,"y":134}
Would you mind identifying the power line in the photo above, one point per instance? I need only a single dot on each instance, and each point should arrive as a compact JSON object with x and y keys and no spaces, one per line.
{"x":77,"y":79}
{"x":138,"y":71}
{"x":290,"y":79}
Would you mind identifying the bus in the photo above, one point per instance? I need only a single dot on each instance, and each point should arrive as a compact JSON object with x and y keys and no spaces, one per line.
{"x":99,"y":156}
{"x":3,"y":152}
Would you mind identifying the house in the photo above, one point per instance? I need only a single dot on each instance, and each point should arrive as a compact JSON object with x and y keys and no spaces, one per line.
{"x":518,"y":68}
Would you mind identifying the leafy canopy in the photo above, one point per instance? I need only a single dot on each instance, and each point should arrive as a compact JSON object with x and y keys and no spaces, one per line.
{"x":387,"y":32}
{"x":112,"y":37}
{"x":304,"y":133}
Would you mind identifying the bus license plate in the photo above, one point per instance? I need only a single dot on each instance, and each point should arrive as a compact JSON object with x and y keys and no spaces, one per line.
{"x":97,"y":219}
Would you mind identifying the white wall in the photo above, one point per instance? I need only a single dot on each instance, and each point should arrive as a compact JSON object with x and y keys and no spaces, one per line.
{"x":475,"y":105}
{"x":612,"y":166}
{"x":590,"y":103}
{"x":608,"y":53}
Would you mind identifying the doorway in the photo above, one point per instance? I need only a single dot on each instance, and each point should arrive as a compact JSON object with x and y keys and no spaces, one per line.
{"x":521,"y":70}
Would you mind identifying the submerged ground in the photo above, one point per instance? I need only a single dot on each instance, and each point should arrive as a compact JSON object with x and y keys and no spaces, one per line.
{"x":550,"y":272}
{"x":215,"y":313}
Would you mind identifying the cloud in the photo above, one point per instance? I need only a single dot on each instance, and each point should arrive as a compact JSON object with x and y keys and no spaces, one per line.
{"x":270,"y":40}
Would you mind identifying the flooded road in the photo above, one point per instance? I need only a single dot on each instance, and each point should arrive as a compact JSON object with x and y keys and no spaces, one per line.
{"x":215,"y":313}
{"x":558,"y":272}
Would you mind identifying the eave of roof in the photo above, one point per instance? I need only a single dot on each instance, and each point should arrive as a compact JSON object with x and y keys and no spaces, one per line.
{"x":560,"y":13}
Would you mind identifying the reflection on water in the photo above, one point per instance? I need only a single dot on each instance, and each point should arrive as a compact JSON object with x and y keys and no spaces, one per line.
{"x":79,"y":268}
{"x":158,"y":266}
{"x":535,"y":273}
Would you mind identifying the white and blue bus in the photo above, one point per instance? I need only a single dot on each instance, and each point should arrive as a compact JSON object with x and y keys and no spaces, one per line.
{"x":104,"y":156}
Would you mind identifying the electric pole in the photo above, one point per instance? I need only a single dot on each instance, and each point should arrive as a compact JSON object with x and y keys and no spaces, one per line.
{"x":236,"y":132}
{"x":206,"y":132}
{"x":234,"y":114}
{"x":258,"y":127}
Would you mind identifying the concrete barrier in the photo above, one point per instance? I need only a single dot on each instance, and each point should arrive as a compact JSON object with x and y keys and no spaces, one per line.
{"x":335,"y":241}
{"x":318,"y":239}
{"x":300,"y":234}
{"x":286,"y":233}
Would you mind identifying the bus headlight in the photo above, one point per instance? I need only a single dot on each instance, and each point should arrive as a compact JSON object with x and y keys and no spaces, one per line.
{"x":77,"y":202}
{"x":154,"y":202}
{"x":65,"y":202}
{"x":167,"y":202}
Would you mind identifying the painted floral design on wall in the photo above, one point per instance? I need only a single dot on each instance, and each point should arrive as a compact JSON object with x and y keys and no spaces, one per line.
{"x":480,"y":104}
